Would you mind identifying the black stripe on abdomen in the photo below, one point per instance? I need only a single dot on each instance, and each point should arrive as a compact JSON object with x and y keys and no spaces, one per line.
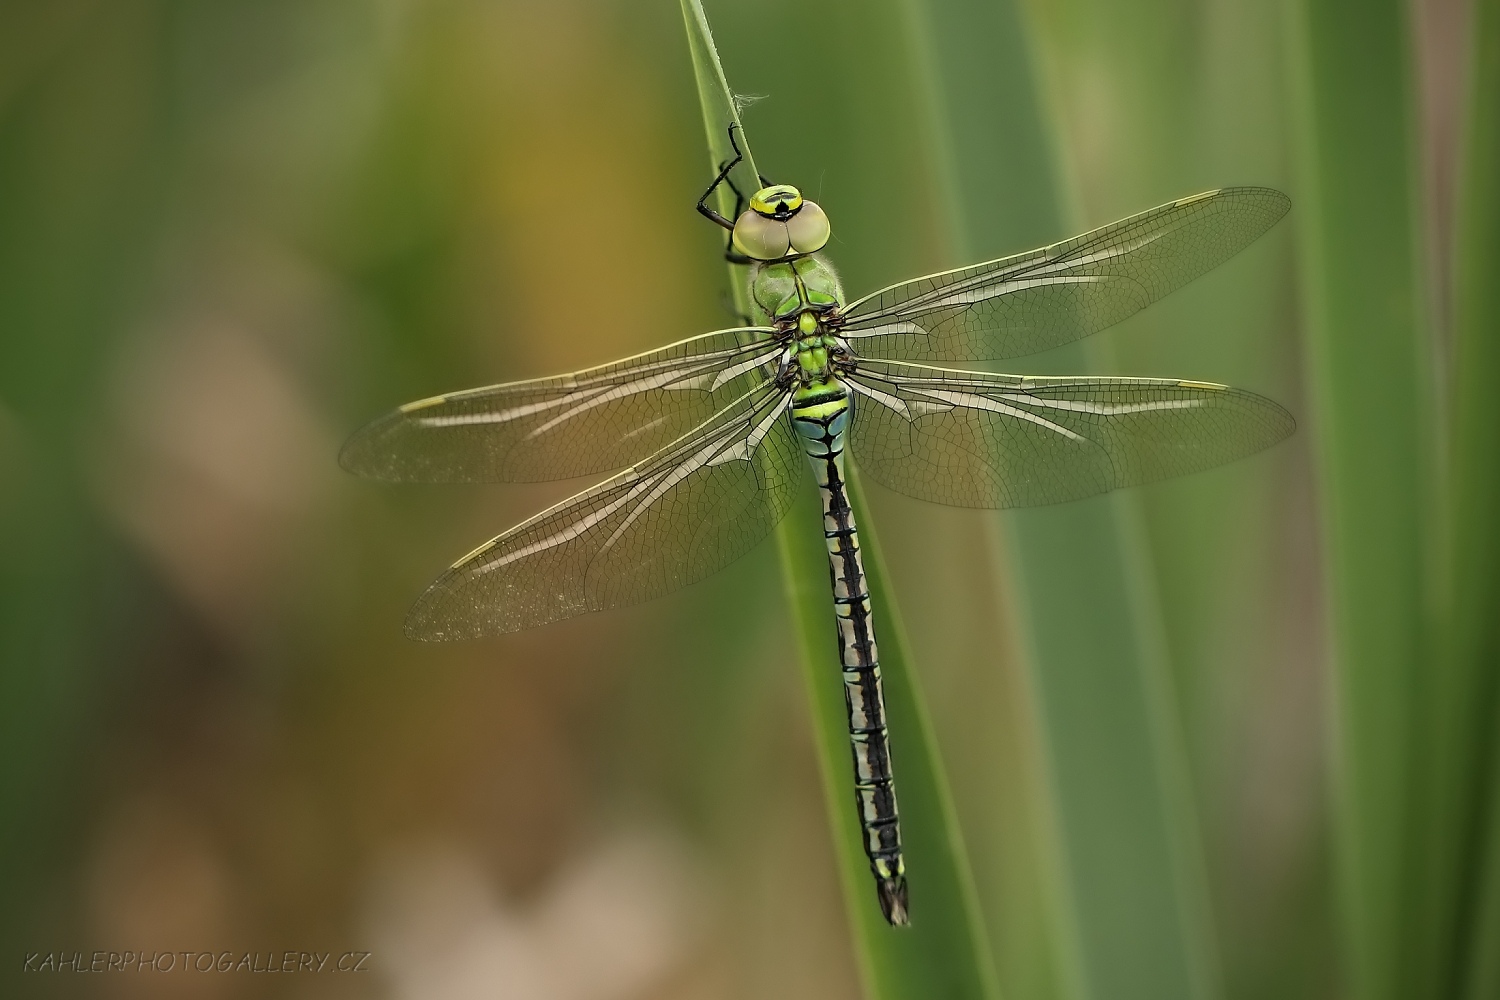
{"x":864,"y":701}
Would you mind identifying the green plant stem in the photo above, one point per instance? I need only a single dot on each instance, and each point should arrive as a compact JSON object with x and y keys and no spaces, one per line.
{"x":1474,"y":550}
{"x":944,"y":952}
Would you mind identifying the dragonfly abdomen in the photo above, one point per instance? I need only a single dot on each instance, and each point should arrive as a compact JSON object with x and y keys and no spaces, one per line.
{"x":820,"y":416}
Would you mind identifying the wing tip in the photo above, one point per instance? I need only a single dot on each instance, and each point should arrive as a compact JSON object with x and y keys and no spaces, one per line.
{"x":452,"y":609}
{"x":1288,"y":422}
{"x":1277,"y":418}
{"x":427,"y":622}
{"x":1277,"y":202}
{"x":417,"y":632}
{"x":441,"y":614}
{"x":352,"y":457}
{"x":361,"y":454}
{"x":421,"y":625}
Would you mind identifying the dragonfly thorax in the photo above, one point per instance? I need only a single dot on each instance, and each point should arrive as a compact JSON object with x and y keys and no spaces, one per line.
{"x":784,"y":289}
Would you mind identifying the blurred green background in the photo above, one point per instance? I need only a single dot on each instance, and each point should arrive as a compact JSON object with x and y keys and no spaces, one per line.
{"x":232,"y":231}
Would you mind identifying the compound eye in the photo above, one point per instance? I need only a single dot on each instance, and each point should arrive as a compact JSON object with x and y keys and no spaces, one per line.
{"x":776,"y":201}
{"x":760,"y":238}
{"x":809,"y":229}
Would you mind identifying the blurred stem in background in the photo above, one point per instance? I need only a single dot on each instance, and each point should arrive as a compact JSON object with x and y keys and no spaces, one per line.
{"x":1153,"y":100}
{"x":1470,"y":937}
{"x":83,"y":135}
{"x":1133,"y":910}
{"x":1371,"y":379}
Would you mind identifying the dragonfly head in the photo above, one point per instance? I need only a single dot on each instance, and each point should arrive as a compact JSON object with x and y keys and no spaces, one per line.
{"x":780,"y":223}
{"x":779,"y":201}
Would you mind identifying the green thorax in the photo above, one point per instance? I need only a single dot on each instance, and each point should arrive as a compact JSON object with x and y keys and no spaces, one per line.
{"x":784,"y":288}
{"x":812,"y":347}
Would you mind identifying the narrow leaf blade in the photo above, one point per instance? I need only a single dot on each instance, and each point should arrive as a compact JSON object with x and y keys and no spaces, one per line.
{"x":943,"y":952}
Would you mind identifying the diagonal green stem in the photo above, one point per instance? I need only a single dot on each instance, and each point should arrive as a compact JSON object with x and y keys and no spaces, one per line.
{"x":944,"y":952}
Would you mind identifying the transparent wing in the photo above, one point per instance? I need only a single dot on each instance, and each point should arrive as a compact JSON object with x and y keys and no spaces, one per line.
{"x":690,"y":510}
{"x":1034,"y":301}
{"x":570,"y":425}
{"x":974,"y":439}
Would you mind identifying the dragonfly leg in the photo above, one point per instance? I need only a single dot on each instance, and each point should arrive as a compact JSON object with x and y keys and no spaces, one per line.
{"x":724,"y":169}
{"x":843,"y":355}
{"x":786,"y":371}
{"x":730,"y":253}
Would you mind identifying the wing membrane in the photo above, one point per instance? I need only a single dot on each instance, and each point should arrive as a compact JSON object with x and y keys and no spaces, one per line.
{"x":570,"y":425}
{"x":1038,"y":300}
{"x":973,"y":439}
{"x":691,"y":509}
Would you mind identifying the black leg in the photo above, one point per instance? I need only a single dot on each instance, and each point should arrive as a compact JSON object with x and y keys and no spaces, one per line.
{"x":739,"y":199}
{"x":730,"y":253}
{"x":723,"y":176}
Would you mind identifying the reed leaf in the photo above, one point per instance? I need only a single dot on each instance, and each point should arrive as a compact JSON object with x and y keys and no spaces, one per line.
{"x":1369,"y":371}
{"x":1160,"y":98}
{"x":1474,"y":534}
{"x":943,"y":952}
{"x":1136,"y":911}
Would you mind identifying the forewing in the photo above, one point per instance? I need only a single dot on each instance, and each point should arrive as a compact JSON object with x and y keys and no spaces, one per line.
{"x":974,"y":439}
{"x":1035,"y":301}
{"x":570,"y":425}
{"x":690,"y":510}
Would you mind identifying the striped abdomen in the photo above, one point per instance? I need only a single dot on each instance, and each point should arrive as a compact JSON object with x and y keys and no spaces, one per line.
{"x":820,"y":415}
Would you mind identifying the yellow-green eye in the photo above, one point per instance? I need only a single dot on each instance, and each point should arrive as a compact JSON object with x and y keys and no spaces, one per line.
{"x":777,"y":200}
{"x":809,"y":229}
{"x":760,"y":238}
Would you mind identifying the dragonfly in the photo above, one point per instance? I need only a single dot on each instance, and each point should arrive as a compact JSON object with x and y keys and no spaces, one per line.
{"x":717,"y":433}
